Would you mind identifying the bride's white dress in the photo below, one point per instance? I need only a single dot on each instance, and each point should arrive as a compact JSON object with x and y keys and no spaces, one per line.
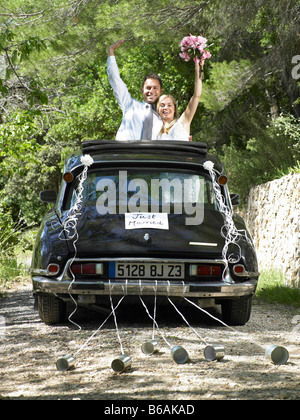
{"x":177,"y":132}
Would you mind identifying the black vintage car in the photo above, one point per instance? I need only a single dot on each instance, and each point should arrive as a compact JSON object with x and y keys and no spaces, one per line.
{"x":145,"y":220}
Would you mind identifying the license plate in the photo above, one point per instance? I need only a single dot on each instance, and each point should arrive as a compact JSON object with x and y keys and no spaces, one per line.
{"x":146,"y":271}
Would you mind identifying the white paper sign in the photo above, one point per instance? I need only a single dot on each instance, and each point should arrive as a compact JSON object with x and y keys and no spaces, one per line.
{"x":146,"y":221}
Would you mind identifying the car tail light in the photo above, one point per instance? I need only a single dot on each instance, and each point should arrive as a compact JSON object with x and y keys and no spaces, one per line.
{"x":87,"y":268}
{"x":52,"y":269}
{"x":205,"y":270}
{"x":239,"y":270}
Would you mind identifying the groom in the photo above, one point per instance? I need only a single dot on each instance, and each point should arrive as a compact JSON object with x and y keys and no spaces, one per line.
{"x":140,"y":121}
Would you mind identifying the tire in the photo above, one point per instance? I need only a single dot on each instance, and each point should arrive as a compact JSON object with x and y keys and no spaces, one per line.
{"x":237,"y":311}
{"x":51,"y":309}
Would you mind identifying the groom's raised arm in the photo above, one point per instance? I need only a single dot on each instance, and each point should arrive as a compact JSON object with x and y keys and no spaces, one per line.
{"x":120,"y":89}
{"x":112,"y":48}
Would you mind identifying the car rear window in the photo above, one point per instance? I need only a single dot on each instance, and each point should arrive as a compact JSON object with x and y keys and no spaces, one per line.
{"x":144,"y":191}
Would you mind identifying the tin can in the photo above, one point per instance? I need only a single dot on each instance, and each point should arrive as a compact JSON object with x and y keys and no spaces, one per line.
{"x":121,"y":363}
{"x":150,"y":347}
{"x":65,"y":363}
{"x":277,"y":354}
{"x":214,"y":352}
{"x":180,"y":355}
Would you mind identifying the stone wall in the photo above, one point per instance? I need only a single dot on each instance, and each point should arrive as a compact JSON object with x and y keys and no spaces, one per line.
{"x":272,"y":216}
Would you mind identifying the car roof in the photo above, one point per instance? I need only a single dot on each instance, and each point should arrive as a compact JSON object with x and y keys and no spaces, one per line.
{"x":160,"y":152}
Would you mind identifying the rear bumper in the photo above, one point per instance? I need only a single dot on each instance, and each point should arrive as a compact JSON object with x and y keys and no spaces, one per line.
{"x":144,"y":288}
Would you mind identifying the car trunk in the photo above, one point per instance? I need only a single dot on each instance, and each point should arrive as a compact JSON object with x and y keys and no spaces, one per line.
{"x":107,"y":235}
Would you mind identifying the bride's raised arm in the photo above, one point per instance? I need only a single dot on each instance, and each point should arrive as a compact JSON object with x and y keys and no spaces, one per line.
{"x":188,"y":115}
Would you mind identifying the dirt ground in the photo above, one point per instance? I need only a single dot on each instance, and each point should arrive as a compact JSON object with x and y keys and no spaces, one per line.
{"x":29,"y":350}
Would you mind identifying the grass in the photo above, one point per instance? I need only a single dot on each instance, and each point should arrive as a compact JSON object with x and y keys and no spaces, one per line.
{"x":14,"y":266}
{"x":272,"y":288}
{"x":11,"y":272}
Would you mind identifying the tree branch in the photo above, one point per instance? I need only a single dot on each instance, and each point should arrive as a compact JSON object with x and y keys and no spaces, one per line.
{"x":14,"y":70}
{"x":22,"y":15}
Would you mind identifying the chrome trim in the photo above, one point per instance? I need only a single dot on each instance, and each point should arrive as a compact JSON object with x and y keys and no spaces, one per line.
{"x":203,"y":244}
{"x":43,"y":272}
{"x":38,"y":271}
{"x":142,"y":287}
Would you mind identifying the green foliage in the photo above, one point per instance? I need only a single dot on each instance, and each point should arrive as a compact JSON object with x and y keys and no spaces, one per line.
{"x":33,"y":43}
{"x":11,"y":240}
{"x":272,"y":288}
{"x":9,"y":270}
{"x":8,"y":233}
{"x":20,"y":191}
{"x":54,"y":91}
{"x":15,"y":52}
{"x":273,"y":151}
{"x":226,"y":82}
{"x":16,"y":139}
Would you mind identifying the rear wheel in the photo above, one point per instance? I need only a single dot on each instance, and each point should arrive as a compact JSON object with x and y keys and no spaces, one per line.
{"x":237,"y":311}
{"x":51,"y":309}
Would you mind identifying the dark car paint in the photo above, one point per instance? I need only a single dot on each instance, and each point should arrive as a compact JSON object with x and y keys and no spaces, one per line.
{"x":51,"y":244}
{"x":106,"y":237}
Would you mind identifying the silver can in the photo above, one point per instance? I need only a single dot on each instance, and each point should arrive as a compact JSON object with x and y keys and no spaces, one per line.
{"x":277,"y":354}
{"x":180,"y":355}
{"x":121,"y":363}
{"x":150,"y":347}
{"x":65,"y":363}
{"x":214,"y":352}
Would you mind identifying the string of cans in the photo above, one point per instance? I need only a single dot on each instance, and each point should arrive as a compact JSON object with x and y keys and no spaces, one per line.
{"x":277,"y":354}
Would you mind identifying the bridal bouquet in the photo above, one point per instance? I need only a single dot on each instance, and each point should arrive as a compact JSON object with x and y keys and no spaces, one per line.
{"x":194,"y":46}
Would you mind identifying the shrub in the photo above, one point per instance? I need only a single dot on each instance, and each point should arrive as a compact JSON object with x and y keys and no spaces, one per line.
{"x":274,"y":151}
{"x":10,"y":238}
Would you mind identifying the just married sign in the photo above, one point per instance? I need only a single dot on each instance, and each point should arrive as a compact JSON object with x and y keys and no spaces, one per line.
{"x":146,"y":221}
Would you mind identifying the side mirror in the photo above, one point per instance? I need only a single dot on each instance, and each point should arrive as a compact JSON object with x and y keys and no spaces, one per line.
{"x":235,"y":199}
{"x":48,"y":196}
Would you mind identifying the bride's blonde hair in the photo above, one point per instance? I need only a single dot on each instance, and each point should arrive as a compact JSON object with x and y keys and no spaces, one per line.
{"x":167,"y":126}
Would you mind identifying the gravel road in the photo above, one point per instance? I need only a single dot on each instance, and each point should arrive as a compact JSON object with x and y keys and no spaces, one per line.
{"x":29,"y":350}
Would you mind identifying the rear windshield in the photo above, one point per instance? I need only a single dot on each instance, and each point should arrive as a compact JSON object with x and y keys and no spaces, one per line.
{"x":148,"y":191}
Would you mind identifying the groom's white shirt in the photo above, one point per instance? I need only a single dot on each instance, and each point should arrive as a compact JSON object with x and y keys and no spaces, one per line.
{"x":134,"y":112}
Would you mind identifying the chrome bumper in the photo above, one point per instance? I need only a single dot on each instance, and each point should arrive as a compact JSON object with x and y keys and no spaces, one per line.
{"x":143,"y":287}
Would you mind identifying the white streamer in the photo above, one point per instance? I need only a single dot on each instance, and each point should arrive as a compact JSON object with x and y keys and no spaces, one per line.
{"x":154,"y":321}
{"x":70,"y":225}
{"x":98,"y":329}
{"x":185,"y":320}
{"x":155,"y":304}
{"x":154,"y":310}
{"x":115,"y":318}
{"x":223,"y":323}
{"x":228,"y":231}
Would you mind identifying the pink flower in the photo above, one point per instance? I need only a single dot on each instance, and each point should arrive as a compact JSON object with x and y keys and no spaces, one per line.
{"x":185,"y":56}
{"x":185,"y":43}
{"x":201,"y":40}
{"x":206,"y":54}
{"x":194,"y":46}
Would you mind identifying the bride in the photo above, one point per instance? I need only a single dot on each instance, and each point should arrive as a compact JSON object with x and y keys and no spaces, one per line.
{"x":175,"y":128}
